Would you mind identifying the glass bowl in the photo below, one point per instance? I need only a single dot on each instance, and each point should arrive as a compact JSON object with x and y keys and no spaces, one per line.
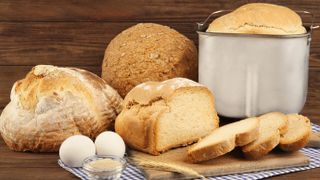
{"x":104,"y":167}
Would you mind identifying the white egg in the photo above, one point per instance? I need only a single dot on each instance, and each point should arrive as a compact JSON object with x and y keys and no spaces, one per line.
{"x":75,"y":149}
{"x":110,"y":143}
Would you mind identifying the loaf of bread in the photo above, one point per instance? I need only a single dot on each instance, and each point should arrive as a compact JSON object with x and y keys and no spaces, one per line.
{"x":148,"y":52}
{"x":298,"y":134}
{"x":52,"y":103}
{"x":259,"y":18}
{"x":158,"y":116}
{"x":272,"y":126}
{"x":224,"y":139}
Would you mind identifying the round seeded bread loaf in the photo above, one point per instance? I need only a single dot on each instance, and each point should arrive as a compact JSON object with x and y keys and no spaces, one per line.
{"x":52,"y":103}
{"x":259,"y":18}
{"x":148,"y":52}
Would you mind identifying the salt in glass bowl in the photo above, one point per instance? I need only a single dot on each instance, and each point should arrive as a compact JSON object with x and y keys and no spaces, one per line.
{"x":108,"y":172}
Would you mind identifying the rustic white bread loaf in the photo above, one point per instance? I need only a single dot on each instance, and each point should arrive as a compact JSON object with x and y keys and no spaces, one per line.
{"x":298,"y":134}
{"x":158,"y":116}
{"x":148,"y":52}
{"x":272,"y":126}
{"x":224,"y":140}
{"x":52,"y":103}
{"x":259,"y":18}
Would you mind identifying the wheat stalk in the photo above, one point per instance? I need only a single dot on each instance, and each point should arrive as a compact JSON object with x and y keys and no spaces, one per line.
{"x":164,"y":166}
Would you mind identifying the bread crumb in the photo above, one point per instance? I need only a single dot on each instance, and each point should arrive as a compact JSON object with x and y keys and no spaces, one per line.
{"x":154,"y":56}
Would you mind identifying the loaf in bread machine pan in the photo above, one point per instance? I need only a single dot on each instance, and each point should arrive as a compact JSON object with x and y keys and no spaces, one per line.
{"x":251,"y":74}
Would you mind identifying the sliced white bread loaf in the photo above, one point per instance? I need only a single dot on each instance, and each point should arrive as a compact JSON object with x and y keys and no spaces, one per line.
{"x":272,"y":126}
{"x":158,"y":116}
{"x":224,"y":140}
{"x":298,"y":134}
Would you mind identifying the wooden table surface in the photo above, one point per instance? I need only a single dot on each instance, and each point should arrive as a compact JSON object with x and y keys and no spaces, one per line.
{"x":75,"y":33}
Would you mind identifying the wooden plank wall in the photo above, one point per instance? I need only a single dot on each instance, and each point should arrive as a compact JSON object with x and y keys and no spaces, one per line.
{"x":76,"y":32}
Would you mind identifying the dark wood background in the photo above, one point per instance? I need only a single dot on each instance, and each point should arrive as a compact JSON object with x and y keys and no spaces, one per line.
{"x":76,"y":33}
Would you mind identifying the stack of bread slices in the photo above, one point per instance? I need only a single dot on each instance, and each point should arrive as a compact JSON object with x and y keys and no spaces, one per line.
{"x":255,"y":136}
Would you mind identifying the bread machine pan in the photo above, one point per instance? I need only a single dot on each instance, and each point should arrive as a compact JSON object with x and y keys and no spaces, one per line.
{"x":252,"y":74}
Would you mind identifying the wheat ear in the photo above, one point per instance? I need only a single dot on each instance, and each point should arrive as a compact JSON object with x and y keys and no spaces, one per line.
{"x":163,"y":166}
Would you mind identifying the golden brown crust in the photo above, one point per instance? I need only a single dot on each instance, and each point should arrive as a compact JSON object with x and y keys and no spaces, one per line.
{"x":259,"y":18}
{"x":149,"y":92}
{"x":226,"y":145}
{"x":148,"y":52}
{"x":211,"y":151}
{"x":256,"y":152}
{"x":136,"y":125}
{"x":247,"y":137}
{"x":297,"y":145}
{"x":284,"y":129}
{"x":301,"y":141}
{"x":272,"y":126}
{"x":53,"y":103}
{"x":143,"y":106}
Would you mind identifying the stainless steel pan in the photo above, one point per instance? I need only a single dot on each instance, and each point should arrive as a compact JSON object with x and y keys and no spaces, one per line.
{"x":252,"y":74}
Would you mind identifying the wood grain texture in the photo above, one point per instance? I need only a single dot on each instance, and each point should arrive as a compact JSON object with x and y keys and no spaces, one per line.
{"x":231,"y":163}
{"x":76,"y":33}
{"x":132,"y":11}
{"x":78,"y":43}
{"x":312,"y":174}
{"x":61,"y":43}
{"x":39,"y":173}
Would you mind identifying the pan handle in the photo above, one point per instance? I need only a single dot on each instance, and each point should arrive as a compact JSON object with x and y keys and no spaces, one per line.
{"x":201,"y":25}
{"x":312,"y":26}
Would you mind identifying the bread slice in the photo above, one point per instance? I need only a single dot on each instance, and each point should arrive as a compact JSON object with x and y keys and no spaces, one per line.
{"x":272,"y":125}
{"x":224,"y":140}
{"x":298,"y":133}
{"x":158,"y":116}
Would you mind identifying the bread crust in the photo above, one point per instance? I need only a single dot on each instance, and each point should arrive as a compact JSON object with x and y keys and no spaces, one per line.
{"x":256,"y":152}
{"x":247,"y":137}
{"x":259,"y":18}
{"x":295,"y":146}
{"x":154,"y":103}
{"x":212,"y":151}
{"x":196,"y":155}
{"x":52,"y":103}
{"x":284,"y":129}
{"x":148,"y":52}
{"x":301,"y":141}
